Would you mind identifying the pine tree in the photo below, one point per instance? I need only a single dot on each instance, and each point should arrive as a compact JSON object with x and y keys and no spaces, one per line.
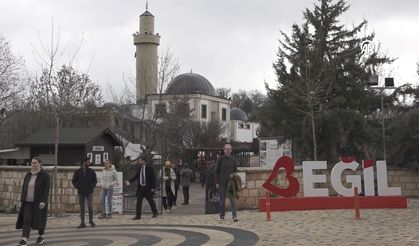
{"x":322,"y":85}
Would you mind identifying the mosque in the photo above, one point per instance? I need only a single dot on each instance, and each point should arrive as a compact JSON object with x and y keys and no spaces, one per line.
{"x":204,"y":104}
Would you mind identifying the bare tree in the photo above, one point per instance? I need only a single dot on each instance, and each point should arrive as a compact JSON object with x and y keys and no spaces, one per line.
{"x":203,"y":134}
{"x":223,"y":92}
{"x":12,"y":76}
{"x":309,"y":96}
{"x":168,"y":69}
{"x":58,"y":90}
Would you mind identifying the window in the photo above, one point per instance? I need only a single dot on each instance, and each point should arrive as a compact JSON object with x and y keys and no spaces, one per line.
{"x":241,"y":125}
{"x":224,"y":114}
{"x":247,"y":126}
{"x":105,"y":156}
{"x":203,"y":111}
{"x":160,"y":110}
{"x":97,"y":159}
{"x":90,"y":156}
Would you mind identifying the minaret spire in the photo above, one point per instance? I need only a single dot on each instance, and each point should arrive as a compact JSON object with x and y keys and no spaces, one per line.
{"x":146,"y":5}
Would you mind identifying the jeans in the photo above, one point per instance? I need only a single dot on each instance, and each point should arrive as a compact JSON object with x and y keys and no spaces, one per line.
{"x":27,"y":220}
{"x":223,"y":194}
{"x":106,"y":194}
{"x":82,"y":199}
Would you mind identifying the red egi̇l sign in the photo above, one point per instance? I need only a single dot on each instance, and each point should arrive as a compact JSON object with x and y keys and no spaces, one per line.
{"x":318,"y":198}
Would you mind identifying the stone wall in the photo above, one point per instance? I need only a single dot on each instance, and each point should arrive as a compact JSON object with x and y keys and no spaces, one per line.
{"x":255,"y":176}
{"x":11,"y":180}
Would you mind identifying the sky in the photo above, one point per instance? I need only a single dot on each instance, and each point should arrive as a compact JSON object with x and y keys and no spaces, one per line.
{"x":232,"y":43}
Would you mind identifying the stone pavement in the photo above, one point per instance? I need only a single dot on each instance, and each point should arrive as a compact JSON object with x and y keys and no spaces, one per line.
{"x":326,"y":227}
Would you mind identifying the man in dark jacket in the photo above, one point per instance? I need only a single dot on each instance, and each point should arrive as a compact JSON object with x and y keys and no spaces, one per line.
{"x":146,"y":183}
{"x":84,"y":180}
{"x":224,"y":170}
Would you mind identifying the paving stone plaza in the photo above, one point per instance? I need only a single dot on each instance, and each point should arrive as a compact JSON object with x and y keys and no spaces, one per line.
{"x":325,"y":227}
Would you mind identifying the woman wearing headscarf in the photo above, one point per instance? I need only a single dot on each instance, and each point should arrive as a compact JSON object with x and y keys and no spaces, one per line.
{"x":34,"y":198}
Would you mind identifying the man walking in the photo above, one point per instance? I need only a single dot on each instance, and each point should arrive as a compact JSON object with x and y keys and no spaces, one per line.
{"x":84,"y":180}
{"x":224,"y":170}
{"x":185,"y":180}
{"x":146,"y":181}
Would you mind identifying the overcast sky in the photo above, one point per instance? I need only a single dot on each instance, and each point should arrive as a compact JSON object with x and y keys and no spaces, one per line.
{"x":232,"y":43}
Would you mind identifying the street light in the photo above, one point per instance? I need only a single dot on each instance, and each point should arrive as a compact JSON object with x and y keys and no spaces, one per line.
{"x":388,"y":84}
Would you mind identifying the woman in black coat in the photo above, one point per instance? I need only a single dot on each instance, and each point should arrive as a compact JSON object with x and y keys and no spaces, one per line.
{"x":34,"y":198}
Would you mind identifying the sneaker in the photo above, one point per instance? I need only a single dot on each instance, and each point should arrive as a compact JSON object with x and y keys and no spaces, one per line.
{"x":136,"y":218}
{"x":108,"y":216}
{"x":235,"y":219}
{"x":22,"y":243}
{"x":154,"y":216}
{"x":82,"y":225}
{"x":92,"y":224}
{"x":102,"y":216}
{"x":221,"y":217}
{"x":40,"y":241}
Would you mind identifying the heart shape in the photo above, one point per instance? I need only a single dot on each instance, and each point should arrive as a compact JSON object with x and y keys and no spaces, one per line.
{"x":348,"y":159}
{"x":288,"y":164}
{"x":368,"y":163}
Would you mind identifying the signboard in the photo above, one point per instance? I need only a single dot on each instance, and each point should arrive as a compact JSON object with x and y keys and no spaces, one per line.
{"x":318,"y":198}
{"x":98,"y":148}
{"x":117,"y":193}
{"x":271,"y":149}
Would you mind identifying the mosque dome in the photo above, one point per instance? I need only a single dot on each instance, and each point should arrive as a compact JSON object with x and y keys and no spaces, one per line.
{"x":238,"y":114}
{"x":190,"y":83}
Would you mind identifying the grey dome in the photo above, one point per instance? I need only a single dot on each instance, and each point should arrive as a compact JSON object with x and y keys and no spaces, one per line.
{"x":190,"y":83}
{"x":238,"y":114}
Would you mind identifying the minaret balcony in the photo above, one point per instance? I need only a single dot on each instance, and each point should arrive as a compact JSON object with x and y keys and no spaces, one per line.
{"x":146,"y":39}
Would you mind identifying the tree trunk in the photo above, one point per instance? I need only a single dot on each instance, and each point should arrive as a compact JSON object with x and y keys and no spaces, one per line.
{"x":313,"y":129}
{"x":57,"y":135}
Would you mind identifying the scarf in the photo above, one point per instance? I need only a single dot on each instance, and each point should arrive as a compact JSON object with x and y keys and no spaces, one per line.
{"x":167,"y":174}
{"x":35,"y":172}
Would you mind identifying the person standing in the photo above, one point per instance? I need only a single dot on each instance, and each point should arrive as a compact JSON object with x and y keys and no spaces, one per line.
{"x":146,"y":184}
{"x":225,"y":168}
{"x":109,"y":180}
{"x":202,"y":167}
{"x":169,"y":178}
{"x":185,"y":180}
{"x":34,"y":199}
{"x":176,"y":170}
{"x":85,"y":180}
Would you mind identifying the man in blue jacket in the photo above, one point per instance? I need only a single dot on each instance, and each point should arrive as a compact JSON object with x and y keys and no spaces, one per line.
{"x":84,"y":180}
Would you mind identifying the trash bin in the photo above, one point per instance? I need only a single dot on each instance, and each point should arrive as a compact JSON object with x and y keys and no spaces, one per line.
{"x":212,"y":195}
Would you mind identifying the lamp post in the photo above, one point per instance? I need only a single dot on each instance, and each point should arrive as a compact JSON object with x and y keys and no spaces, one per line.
{"x":388,"y":84}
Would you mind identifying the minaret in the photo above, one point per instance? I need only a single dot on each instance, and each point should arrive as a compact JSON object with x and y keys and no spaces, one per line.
{"x":146,"y":43}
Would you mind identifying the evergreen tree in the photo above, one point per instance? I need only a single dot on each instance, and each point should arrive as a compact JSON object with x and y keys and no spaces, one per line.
{"x":322,"y":86}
